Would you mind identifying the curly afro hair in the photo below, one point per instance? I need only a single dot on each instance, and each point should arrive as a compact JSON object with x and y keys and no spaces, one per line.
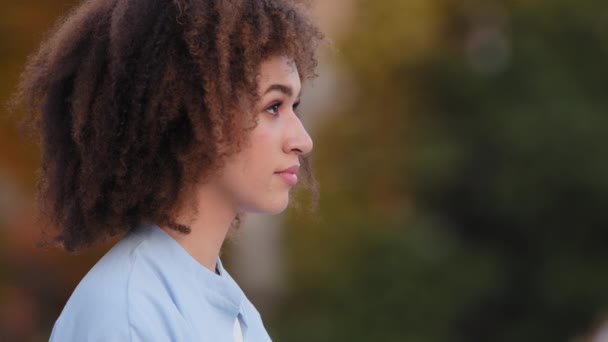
{"x":135,"y":101}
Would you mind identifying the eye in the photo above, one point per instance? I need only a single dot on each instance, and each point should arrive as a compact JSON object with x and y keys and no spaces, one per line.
{"x":295,"y":109}
{"x":274,"y":108}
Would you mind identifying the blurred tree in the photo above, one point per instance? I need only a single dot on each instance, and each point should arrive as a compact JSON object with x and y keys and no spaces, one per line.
{"x":463,"y":185}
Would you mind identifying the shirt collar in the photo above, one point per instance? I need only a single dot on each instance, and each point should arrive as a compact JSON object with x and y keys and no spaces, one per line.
{"x":219,"y":289}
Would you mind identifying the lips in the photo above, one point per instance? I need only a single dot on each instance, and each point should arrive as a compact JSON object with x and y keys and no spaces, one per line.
{"x":291,"y":169}
{"x":289,"y":174}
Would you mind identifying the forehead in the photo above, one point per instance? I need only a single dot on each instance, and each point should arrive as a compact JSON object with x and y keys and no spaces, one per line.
{"x":279,"y":69}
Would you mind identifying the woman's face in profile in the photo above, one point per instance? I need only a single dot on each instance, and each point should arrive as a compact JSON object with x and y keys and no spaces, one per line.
{"x":259,"y":177}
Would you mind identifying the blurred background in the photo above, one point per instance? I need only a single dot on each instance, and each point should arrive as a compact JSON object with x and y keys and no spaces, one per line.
{"x":460,"y":148}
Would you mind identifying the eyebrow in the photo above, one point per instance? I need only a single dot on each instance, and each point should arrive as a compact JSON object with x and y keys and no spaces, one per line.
{"x":285,"y":89}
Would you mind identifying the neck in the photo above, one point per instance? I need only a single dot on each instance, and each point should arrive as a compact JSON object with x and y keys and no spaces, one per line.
{"x":209,"y":227}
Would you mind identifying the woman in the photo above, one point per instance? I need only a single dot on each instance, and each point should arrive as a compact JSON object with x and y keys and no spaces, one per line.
{"x":165,"y":120}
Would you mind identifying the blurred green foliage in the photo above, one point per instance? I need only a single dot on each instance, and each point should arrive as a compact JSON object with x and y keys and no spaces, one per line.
{"x":464,"y":184}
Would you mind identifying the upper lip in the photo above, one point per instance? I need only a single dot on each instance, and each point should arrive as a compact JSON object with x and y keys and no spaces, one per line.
{"x":291,"y":169}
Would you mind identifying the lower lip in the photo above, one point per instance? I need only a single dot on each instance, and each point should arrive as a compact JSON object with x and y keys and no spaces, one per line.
{"x":290,"y":178}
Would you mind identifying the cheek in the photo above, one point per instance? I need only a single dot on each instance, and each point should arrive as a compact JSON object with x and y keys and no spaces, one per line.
{"x":255,"y":163}
{"x":264,"y":147}
{"x":255,"y":186}
{"x":262,"y":156}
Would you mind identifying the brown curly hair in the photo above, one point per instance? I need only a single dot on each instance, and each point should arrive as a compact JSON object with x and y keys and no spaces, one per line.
{"x":135,"y":101}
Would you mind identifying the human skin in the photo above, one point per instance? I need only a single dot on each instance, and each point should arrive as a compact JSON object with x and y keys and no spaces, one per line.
{"x":251,"y":181}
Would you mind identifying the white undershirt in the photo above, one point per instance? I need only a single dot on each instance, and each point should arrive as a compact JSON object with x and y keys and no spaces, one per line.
{"x":238,"y":334}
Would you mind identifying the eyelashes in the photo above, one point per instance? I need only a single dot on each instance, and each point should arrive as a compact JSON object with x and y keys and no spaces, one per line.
{"x":273,"y":109}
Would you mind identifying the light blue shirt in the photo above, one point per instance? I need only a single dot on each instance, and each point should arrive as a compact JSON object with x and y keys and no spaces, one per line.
{"x":148,"y":288}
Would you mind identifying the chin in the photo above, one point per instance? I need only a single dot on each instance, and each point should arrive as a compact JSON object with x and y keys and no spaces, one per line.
{"x":272,"y":206}
{"x":277,"y":208}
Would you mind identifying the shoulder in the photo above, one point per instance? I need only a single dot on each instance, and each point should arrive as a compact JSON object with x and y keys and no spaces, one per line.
{"x":97,"y":309}
{"x":122,"y":298}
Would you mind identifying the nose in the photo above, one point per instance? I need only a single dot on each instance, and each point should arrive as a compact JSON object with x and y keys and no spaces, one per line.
{"x":297,"y":140}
